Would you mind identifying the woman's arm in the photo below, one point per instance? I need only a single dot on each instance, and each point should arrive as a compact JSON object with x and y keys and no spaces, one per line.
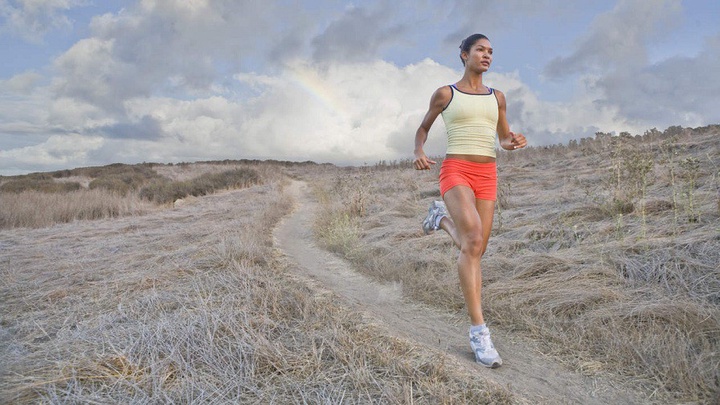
{"x":438,"y":101}
{"x":508,"y":140}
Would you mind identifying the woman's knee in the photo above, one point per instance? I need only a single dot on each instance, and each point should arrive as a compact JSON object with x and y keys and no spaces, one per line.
{"x":473,"y":244}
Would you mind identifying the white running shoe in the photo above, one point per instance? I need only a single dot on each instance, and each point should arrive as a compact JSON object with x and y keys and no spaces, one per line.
{"x":484,"y":349}
{"x":431,"y":223}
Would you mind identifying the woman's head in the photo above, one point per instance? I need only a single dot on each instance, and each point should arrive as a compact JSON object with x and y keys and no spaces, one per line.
{"x":468,"y":43}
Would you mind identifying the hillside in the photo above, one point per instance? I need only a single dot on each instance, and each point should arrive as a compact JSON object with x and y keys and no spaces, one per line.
{"x":603,"y":261}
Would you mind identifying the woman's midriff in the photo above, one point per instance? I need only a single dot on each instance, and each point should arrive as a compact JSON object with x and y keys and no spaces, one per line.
{"x":471,"y":158}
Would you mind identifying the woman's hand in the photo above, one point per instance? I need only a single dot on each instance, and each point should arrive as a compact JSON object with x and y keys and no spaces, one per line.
{"x":422,"y":162}
{"x":517,"y":141}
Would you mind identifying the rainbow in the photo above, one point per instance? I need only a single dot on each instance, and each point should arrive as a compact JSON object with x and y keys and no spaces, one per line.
{"x":310,"y":81}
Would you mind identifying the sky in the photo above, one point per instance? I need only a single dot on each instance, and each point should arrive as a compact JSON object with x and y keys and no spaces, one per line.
{"x":91,"y":82}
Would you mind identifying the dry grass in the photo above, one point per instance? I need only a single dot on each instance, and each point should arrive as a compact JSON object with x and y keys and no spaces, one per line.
{"x":607,"y":250}
{"x":43,"y":199}
{"x":193,"y":305}
{"x":35,"y":209}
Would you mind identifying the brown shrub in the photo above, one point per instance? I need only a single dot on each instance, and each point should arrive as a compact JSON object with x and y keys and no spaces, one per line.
{"x":33,"y":209}
{"x":41,"y":185}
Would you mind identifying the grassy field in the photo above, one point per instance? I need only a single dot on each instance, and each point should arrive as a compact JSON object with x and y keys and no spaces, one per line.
{"x":605,"y":250}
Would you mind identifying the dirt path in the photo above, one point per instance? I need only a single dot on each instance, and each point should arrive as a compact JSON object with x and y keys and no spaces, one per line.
{"x":525,"y":371}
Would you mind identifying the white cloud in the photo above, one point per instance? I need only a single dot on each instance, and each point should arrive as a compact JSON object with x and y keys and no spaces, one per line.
{"x":23,"y":106}
{"x":618,"y":39}
{"x":357,"y":35}
{"x":674,"y":91}
{"x":175,"y":48}
{"x":21,"y":84}
{"x":71,"y":115}
{"x":33,"y":19}
{"x":56,"y":151}
{"x":88,"y":72}
{"x":342,"y":113}
{"x":550,"y":122}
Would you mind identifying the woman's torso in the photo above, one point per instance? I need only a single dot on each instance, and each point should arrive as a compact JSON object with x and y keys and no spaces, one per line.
{"x":471,"y":122}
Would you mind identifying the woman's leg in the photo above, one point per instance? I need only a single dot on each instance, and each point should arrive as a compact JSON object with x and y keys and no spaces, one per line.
{"x":467,"y":229}
{"x":486,"y":210}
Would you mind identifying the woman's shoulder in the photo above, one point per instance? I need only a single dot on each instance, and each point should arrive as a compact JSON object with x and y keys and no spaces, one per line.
{"x":443,"y":93}
{"x":500,"y":97}
{"x":440,"y":98}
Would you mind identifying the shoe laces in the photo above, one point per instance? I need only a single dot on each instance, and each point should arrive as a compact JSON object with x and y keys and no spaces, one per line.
{"x":484,"y":340}
{"x":487,"y":342}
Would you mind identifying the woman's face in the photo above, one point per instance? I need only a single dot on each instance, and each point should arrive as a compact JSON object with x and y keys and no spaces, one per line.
{"x":480,"y":56}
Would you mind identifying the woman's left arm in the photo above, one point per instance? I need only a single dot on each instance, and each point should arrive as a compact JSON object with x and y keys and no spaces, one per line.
{"x":508,"y":140}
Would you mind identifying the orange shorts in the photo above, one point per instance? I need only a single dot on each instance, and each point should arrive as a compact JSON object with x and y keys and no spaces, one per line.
{"x":480,"y":177}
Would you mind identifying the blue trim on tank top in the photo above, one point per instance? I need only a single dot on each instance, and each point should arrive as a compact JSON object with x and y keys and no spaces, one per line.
{"x":473,"y":94}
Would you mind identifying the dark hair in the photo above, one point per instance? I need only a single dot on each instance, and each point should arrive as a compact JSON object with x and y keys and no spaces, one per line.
{"x":468,"y":42}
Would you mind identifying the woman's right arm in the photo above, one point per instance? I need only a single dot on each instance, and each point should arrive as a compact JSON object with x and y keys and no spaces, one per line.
{"x":438,"y":101}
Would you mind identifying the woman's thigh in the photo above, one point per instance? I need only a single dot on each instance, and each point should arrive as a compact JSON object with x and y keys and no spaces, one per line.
{"x":461,"y":205}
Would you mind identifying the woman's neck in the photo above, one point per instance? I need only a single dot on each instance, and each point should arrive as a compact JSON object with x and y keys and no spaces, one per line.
{"x":472,"y":82}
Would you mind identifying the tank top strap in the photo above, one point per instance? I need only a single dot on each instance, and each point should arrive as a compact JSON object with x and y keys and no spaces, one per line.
{"x":453,"y":87}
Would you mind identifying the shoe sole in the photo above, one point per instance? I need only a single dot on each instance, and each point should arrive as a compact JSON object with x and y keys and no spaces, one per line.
{"x":495,"y":364}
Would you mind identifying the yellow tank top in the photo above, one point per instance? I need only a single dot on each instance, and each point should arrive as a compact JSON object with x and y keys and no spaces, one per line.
{"x":471,"y":123}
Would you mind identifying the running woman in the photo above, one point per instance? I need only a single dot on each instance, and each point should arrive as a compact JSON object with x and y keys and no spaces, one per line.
{"x":473,"y":114}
